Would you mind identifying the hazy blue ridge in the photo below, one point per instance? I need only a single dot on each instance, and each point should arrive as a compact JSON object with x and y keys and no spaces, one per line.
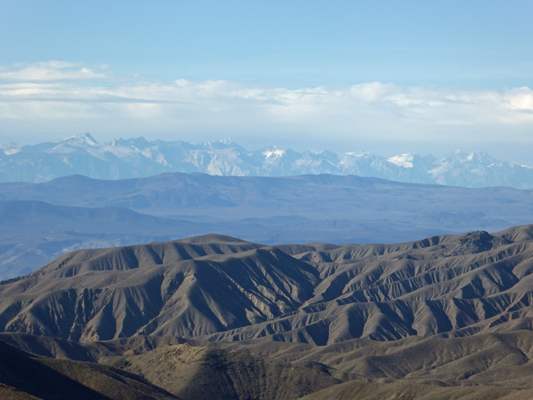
{"x":41,"y":221}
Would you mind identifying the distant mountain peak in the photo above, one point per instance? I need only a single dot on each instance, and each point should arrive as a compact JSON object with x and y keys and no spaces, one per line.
{"x":271,"y":151}
{"x":469,"y":157}
{"x":84,"y":138}
{"x":221,"y":144}
{"x":402,"y":160}
{"x":226,"y":142}
{"x":139,"y":143}
{"x":11,"y":148}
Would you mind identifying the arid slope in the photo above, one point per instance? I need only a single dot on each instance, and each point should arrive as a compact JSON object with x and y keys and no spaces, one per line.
{"x":218,"y":288}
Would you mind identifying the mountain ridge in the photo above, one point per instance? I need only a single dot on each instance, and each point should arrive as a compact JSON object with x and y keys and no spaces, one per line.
{"x":41,"y":221}
{"x":137,"y":157}
{"x":219,"y":289}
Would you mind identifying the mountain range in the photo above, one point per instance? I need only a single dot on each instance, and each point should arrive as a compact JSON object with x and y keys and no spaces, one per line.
{"x":219,"y":288}
{"x":137,"y":157}
{"x":213,"y":316}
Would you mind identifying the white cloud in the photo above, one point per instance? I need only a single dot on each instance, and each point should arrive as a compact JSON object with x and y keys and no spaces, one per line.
{"x":61,"y":94}
{"x":49,"y":71}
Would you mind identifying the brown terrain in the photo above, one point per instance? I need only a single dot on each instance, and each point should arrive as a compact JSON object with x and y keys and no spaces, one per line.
{"x":215,"y":317}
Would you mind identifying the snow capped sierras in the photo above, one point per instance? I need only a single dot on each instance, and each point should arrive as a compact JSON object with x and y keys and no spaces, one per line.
{"x":137,"y":157}
{"x":479,"y":169}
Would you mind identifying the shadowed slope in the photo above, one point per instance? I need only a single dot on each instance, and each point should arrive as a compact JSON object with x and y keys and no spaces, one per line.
{"x":206,"y":373}
{"x":23,"y":376}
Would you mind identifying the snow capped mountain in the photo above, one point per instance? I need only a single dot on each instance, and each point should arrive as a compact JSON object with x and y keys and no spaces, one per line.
{"x":136,"y":157}
{"x":402,"y":160}
{"x":479,"y":169}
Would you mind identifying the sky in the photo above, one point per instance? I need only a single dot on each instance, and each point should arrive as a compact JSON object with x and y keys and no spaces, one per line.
{"x":382,"y":76}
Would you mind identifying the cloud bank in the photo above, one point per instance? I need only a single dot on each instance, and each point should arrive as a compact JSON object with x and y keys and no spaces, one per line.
{"x":62,"y":96}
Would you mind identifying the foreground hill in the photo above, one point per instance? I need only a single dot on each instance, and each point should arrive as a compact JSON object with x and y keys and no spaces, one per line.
{"x":484,"y":366}
{"x":221,"y":289}
{"x":442,"y":318}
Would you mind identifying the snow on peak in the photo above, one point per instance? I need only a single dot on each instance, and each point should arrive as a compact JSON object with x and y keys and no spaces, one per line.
{"x":402,"y":160}
{"x":83,"y":138}
{"x":357,"y":154}
{"x":11,"y":148}
{"x":272,"y":151}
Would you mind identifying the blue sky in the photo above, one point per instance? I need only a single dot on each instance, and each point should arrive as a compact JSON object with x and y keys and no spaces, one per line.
{"x":393,"y":76}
